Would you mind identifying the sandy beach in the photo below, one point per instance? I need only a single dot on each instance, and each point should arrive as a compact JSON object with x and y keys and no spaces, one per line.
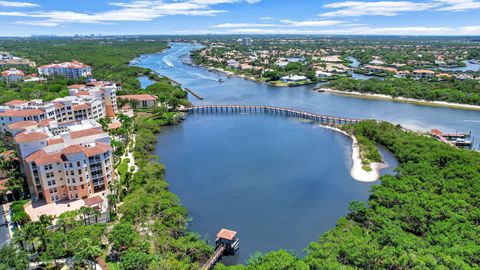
{"x":402,"y":99}
{"x":357,"y":171}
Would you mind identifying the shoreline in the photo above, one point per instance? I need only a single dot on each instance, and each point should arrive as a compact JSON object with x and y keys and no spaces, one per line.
{"x":357,"y":172}
{"x":402,"y":99}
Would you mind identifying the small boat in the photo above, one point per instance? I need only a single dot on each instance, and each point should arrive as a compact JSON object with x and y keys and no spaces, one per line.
{"x":474,"y":62}
{"x":220,"y":80}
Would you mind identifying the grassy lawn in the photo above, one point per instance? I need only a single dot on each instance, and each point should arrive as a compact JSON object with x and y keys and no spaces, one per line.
{"x":123,"y":168}
{"x":113,"y":266}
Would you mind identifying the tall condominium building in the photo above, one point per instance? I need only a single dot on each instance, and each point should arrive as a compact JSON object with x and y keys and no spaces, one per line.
{"x":65,"y":161}
{"x":73,"y":70}
{"x":106,"y":91}
{"x":62,"y":110}
{"x":94,"y":100}
{"x":12,"y":75}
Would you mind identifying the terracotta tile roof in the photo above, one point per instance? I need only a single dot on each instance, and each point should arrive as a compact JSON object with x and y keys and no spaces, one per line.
{"x":140,"y":97}
{"x":14,"y":72}
{"x":114,"y":125}
{"x":82,"y":93}
{"x":93,"y":200}
{"x":73,"y":64}
{"x":76,"y":86}
{"x":15,"y":102}
{"x":35,"y":156}
{"x":22,"y":113}
{"x":85,"y":133}
{"x":226,"y":234}
{"x":29,"y":137}
{"x":58,"y":105}
{"x":437,"y":132}
{"x":44,"y":122}
{"x":49,"y":158}
{"x":55,"y":141}
{"x":22,"y":124}
{"x":98,"y":149}
{"x":79,"y":107}
{"x":424,"y":71}
{"x":98,"y":83}
{"x":73,"y":149}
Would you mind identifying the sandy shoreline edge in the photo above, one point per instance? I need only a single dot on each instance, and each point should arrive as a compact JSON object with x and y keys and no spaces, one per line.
{"x":402,"y":99}
{"x":357,"y":171}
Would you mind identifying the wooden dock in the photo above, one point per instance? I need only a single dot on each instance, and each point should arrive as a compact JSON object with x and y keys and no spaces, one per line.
{"x":323,"y":119}
{"x":227,"y":243}
{"x":214,"y":258}
{"x":193,"y":93}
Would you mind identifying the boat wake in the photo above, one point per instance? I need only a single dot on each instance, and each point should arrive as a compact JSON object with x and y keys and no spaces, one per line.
{"x":167,"y":61}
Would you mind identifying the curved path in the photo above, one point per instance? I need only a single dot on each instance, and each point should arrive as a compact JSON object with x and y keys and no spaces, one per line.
{"x":323,"y":119}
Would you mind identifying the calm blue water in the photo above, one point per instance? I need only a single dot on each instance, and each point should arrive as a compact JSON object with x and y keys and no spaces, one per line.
{"x":236,"y":90}
{"x":468,"y":67}
{"x":145,"y":81}
{"x":279,"y":182}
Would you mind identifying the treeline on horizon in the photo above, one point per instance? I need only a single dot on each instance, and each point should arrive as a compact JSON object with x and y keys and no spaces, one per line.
{"x":454,"y":91}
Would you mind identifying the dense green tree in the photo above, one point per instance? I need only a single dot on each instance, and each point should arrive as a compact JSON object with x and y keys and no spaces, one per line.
{"x":135,"y":260}
{"x":13,"y":258}
{"x":123,"y":236}
{"x":86,"y":251}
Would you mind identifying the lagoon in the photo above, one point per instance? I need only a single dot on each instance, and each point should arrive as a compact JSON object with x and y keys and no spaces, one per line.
{"x":278,"y":181}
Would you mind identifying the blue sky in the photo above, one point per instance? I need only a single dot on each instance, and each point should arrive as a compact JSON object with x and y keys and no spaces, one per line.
{"x":409,"y":17}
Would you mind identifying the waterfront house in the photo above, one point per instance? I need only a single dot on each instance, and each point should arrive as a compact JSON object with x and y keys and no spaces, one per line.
{"x":293,"y":78}
{"x":402,"y":74}
{"x":323,"y":74}
{"x":142,"y":100}
{"x":232,"y":63}
{"x":423,"y":74}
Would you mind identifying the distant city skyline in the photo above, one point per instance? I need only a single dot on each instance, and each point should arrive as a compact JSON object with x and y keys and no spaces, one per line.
{"x":246,"y":17}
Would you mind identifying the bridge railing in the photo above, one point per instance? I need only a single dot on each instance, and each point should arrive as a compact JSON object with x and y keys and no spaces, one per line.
{"x":287,"y":111}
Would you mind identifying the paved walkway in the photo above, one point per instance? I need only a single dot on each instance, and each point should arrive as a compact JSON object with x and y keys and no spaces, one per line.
{"x":6,"y":232}
{"x":129,"y":154}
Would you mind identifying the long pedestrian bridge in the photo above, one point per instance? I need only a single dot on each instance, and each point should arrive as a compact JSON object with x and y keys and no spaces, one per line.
{"x":323,"y":119}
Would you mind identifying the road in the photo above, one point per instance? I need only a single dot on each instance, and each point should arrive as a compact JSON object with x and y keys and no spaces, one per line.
{"x":4,"y":236}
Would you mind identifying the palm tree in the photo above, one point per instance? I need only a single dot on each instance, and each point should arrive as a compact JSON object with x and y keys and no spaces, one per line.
{"x":27,"y":236}
{"x":47,"y":220}
{"x":67,"y":220}
{"x":96,"y":213}
{"x":112,"y":203}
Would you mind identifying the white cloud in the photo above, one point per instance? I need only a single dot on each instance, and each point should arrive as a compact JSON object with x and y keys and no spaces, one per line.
{"x":136,"y":10}
{"x":380,"y":8}
{"x":17,"y":4}
{"x":242,"y":25}
{"x":459,"y":5}
{"x":282,"y":23}
{"x":312,"y":23}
